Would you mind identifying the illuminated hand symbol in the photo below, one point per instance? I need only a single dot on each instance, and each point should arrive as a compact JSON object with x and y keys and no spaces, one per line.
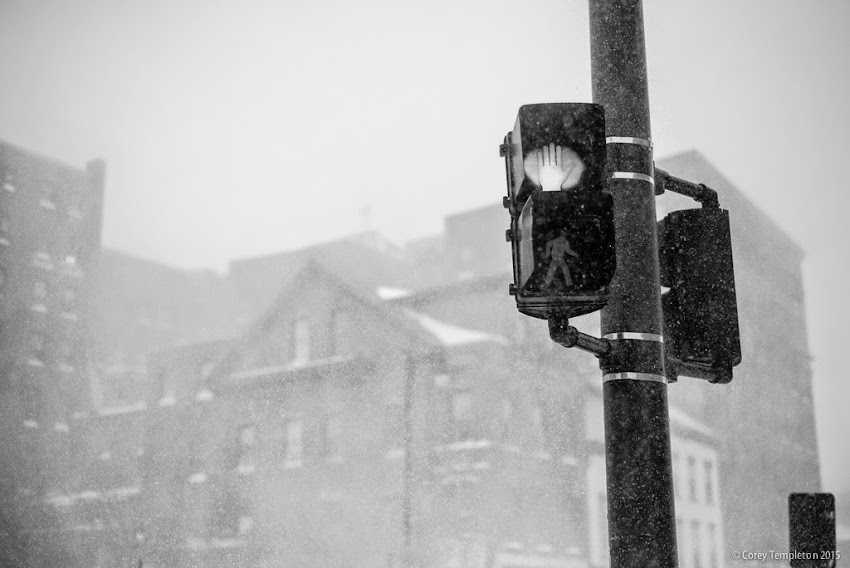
{"x":558,"y":168}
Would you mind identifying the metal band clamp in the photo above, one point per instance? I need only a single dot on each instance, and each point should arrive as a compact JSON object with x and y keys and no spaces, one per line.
{"x":634,"y":175}
{"x":645,"y":142}
{"x":634,"y":335}
{"x":648,"y":377}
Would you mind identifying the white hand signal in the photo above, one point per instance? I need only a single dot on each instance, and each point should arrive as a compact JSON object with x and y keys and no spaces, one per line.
{"x":558,"y":168}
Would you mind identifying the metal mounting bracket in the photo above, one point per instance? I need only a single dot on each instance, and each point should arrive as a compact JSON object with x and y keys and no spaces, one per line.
{"x":562,"y":333}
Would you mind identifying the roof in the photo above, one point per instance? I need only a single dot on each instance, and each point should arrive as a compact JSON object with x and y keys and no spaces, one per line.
{"x":364,"y":262}
{"x":450,"y":335}
{"x":117,"y":259}
{"x":425,"y":332}
{"x":310,"y":272}
{"x":43,"y":158}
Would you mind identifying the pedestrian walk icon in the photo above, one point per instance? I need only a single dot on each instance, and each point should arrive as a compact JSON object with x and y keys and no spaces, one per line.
{"x":558,"y":249}
{"x":565,"y":254}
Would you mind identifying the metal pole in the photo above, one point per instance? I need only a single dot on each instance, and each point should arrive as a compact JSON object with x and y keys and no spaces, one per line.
{"x":641,"y":515}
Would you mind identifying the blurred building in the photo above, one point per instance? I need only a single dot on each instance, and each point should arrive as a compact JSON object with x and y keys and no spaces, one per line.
{"x":259,"y":418}
{"x":764,"y":418}
{"x":50,"y":224}
{"x":294,"y":443}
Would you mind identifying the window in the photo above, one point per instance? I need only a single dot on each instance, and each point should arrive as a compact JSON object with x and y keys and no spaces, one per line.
{"x":8,"y":180}
{"x":709,"y":482}
{"x":602,"y":504}
{"x":294,"y":450}
{"x":4,"y":230}
{"x":301,"y":341}
{"x":680,"y":541}
{"x":695,"y":543}
{"x":162,"y":384}
{"x":247,"y":440}
{"x":712,"y":545}
{"x":692,"y":479}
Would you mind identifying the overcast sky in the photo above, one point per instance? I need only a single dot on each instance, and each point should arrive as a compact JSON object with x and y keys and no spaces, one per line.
{"x":233,"y":129}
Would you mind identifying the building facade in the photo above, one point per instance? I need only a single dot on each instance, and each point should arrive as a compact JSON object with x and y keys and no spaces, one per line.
{"x":764,"y":418}
{"x":347,"y":429}
{"x":356,"y":404}
{"x":50,"y":224}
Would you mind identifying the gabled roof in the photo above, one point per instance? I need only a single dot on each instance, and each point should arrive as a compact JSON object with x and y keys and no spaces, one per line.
{"x":364,"y":262}
{"x":308,"y":275}
{"x":426,"y":334}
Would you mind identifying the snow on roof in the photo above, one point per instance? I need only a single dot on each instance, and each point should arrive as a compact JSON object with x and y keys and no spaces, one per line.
{"x":261,"y":372}
{"x":465,"y":445}
{"x":124,"y":492}
{"x":256,"y":372}
{"x":123,"y":409}
{"x":451,"y":335}
{"x":389,"y":293}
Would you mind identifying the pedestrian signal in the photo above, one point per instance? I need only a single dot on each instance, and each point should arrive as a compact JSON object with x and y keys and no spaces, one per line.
{"x":811,"y":524}
{"x":562,"y":221}
{"x":700,"y":308}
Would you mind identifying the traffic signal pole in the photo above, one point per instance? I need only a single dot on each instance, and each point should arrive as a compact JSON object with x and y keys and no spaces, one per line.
{"x":641,"y":515}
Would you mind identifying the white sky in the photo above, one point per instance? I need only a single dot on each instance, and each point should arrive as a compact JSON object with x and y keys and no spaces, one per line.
{"x":238,"y":128}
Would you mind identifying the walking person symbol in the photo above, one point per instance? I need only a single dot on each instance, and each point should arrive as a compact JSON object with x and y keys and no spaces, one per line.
{"x":556,"y":249}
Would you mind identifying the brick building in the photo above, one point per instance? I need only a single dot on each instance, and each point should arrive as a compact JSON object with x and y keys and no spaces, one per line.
{"x":50,"y":223}
{"x":300,"y":447}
